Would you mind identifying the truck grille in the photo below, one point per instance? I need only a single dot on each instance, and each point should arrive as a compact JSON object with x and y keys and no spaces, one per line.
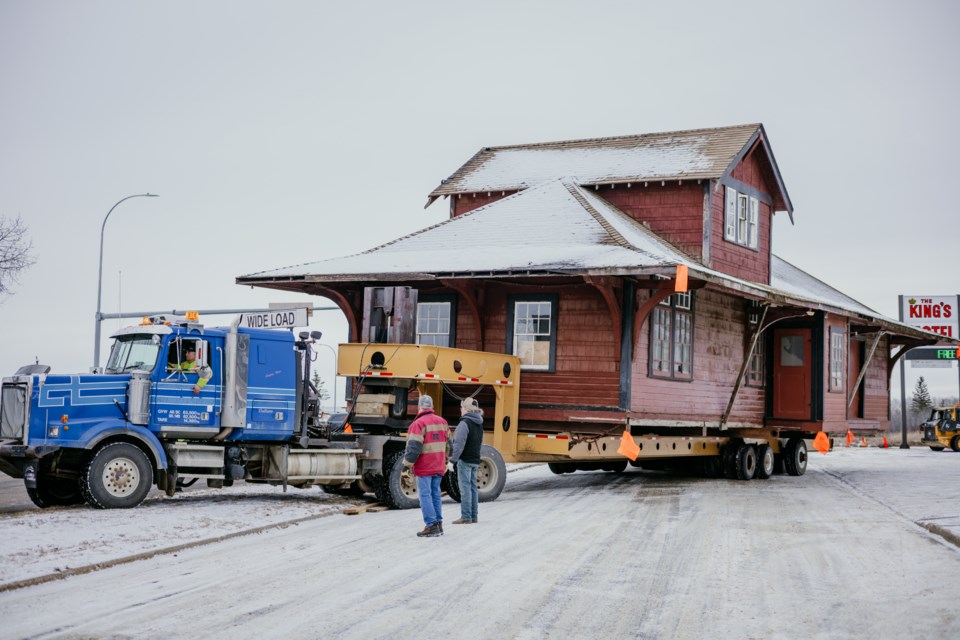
{"x":930,"y":433}
{"x":13,"y":411}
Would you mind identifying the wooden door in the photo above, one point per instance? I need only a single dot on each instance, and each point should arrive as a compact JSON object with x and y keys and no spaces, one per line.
{"x":792,"y":374}
{"x":854,"y":409}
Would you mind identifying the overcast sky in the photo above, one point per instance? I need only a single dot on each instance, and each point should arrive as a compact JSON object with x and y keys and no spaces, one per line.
{"x":283,"y":132}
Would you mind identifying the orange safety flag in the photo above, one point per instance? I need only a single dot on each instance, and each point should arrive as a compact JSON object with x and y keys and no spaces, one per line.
{"x":849,"y":437}
{"x":348,"y":428}
{"x":680,"y":284}
{"x":628,"y":448}
{"x":821,"y":443}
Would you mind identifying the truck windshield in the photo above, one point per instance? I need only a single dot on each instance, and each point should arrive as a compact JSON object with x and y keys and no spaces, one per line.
{"x":133,"y":352}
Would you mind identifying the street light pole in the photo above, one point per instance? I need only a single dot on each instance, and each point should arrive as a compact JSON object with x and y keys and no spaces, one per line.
{"x":96,"y":335}
{"x":334,"y":352}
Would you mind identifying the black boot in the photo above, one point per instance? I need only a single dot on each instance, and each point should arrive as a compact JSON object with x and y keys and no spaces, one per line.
{"x":431,"y":531}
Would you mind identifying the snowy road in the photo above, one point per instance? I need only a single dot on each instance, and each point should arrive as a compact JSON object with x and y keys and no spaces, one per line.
{"x":837,"y":553}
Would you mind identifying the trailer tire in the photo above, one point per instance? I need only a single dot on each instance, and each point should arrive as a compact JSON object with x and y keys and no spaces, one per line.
{"x":936,"y":448}
{"x":451,"y":484}
{"x":765,"y":462}
{"x":118,"y":476}
{"x":615,"y":467}
{"x":561,"y":468}
{"x":795,"y":457}
{"x":393,"y":494}
{"x":52,"y":491}
{"x":491,"y":474}
{"x":729,"y":458}
{"x":746,"y":462}
{"x":955,"y":443}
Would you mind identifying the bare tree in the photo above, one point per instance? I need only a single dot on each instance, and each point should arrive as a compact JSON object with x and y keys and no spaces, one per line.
{"x":15,"y":249}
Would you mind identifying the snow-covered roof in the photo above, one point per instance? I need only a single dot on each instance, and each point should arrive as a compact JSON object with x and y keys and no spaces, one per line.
{"x":786,"y":277}
{"x":554,"y":227}
{"x":694,"y":154}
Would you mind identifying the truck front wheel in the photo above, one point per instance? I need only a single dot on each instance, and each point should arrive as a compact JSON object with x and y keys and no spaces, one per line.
{"x":955,"y":443}
{"x":118,"y":476}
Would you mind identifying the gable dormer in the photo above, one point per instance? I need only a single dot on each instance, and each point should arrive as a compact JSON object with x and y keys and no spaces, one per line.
{"x":675,"y":183}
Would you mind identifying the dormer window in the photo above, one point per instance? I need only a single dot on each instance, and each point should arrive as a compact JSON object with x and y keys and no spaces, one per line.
{"x":742,"y":219}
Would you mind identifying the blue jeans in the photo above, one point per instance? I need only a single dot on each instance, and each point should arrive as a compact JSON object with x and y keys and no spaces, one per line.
{"x":429,"y":489}
{"x":467,"y":479}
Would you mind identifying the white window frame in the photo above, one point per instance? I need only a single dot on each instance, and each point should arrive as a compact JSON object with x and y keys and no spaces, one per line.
{"x":742,"y":218}
{"x":519,"y":330}
{"x":424,"y":316}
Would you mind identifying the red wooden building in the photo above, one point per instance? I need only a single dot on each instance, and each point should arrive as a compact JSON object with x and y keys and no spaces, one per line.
{"x":568,"y":254}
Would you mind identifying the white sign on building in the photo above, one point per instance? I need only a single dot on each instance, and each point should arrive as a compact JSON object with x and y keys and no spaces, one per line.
{"x":937,"y":314}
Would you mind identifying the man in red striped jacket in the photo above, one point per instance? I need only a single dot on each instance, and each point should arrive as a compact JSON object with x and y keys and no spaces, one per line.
{"x":426,"y":455}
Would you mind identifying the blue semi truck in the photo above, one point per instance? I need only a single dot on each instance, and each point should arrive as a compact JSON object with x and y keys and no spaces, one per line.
{"x":244,"y":410}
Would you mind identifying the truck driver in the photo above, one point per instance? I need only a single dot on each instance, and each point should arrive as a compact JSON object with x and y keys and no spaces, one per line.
{"x":190,"y":365}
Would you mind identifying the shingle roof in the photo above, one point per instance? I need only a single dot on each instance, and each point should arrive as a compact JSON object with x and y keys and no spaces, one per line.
{"x":554,"y":227}
{"x":693,"y":154}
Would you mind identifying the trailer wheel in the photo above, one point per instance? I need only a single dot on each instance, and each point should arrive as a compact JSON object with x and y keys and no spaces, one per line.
{"x":764,"y":462}
{"x":795,"y":457}
{"x":936,"y":448}
{"x":712,"y":466}
{"x":615,"y":467}
{"x":52,"y":491}
{"x":491,"y":474}
{"x":451,"y":484}
{"x":729,"y":458}
{"x":561,"y":468}
{"x":118,"y":476}
{"x":746,"y":462}
{"x":955,"y":443}
{"x":394,"y":495}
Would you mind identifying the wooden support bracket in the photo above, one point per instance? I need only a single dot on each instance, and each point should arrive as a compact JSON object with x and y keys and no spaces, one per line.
{"x":610,"y":290}
{"x":473,"y":296}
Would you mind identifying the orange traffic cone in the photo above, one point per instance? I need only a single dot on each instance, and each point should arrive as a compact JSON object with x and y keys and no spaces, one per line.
{"x":863,"y":442}
{"x":348,"y":429}
{"x":849,"y":437}
{"x":885,"y":445}
{"x":628,"y":447}
{"x":821,"y":443}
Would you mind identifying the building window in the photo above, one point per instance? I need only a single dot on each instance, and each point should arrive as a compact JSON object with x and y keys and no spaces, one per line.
{"x":742,"y":219}
{"x":671,"y":338}
{"x":532,"y":331}
{"x":838,"y":359}
{"x":756,"y":372}
{"x":436,"y":320}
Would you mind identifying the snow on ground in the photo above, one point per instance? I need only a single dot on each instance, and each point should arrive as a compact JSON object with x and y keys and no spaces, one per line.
{"x":39,"y":542}
{"x":835,"y":554}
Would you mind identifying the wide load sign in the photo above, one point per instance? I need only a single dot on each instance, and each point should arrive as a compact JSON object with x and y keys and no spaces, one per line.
{"x":937,"y":314}
{"x":278,"y":319}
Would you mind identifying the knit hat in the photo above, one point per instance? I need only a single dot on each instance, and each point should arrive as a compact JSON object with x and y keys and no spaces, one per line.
{"x":425,"y":402}
{"x":470,"y":405}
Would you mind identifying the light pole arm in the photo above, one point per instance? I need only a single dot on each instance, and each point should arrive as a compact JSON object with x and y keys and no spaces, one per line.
{"x":96,"y":334}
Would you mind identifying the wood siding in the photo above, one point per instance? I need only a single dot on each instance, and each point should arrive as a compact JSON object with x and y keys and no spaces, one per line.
{"x":718,"y":350}
{"x":834,"y":401}
{"x":876,"y":386}
{"x":464,"y":202}
{"x":672,"y":211}
{"x":587,"y":363}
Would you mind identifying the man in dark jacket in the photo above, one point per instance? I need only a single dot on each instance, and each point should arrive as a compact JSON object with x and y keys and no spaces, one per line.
{"x":467,"y":440}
